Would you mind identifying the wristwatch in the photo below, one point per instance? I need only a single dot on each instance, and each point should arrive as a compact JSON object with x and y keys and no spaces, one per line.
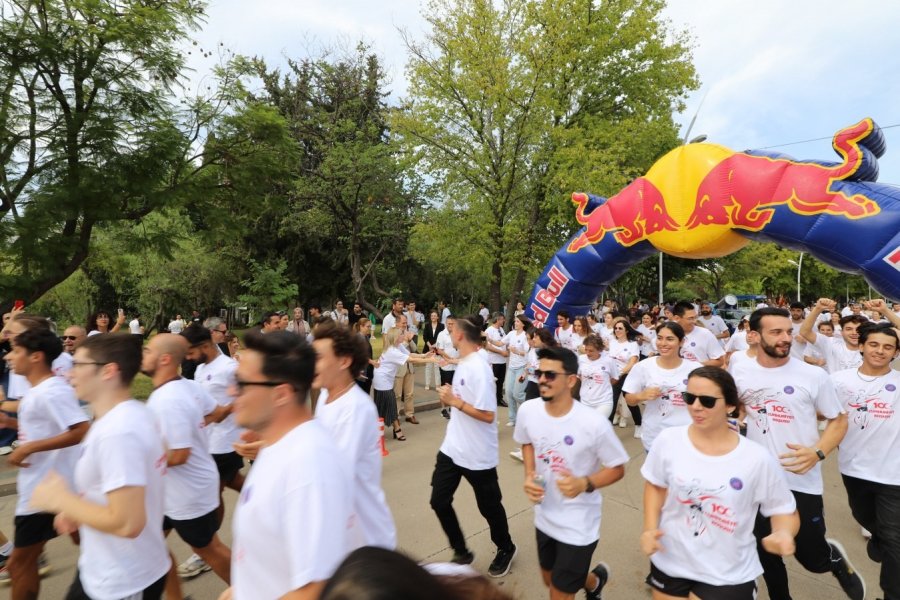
{"x":820,"y":454}
{"x":590,"y":486}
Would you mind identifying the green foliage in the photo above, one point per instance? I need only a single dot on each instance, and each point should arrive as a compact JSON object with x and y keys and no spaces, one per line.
{"x":267,"y":286}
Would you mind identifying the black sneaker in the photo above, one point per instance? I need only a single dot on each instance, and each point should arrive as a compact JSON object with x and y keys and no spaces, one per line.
{"x":463,"y":558}
{"x":874,"y":550}
{"x":445,"y":412}
{"x":601,"y":571}
{"x":843,"y":570}
{"x":502,"y":562}
{"x":502,"y":403}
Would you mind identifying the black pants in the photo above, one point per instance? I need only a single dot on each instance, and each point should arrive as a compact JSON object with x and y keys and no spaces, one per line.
{"x":445,"y":480}
{"x":532,"y":390}
{"x":813,"y":552}
{"x":500,"y":377}
{"x":876,"y":506}
{"x":635,"y":410}
{"x":446,"y":376}
{"x":153,"y":592}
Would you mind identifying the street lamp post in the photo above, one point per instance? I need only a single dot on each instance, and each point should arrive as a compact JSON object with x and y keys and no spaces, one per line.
{"x":799,"y":265}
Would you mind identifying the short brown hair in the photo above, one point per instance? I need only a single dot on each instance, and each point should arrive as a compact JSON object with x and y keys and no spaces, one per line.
{"x":122,"y":349}
{"x":345,"y":343}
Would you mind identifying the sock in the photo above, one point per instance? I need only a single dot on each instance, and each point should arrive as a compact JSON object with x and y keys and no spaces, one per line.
{"x":6,"y":549}
{"x":596,"y":586}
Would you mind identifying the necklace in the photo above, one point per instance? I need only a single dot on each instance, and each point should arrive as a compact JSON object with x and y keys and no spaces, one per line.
{"x":874,"y":378}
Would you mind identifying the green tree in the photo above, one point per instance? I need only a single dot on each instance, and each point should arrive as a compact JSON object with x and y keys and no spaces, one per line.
{"x":513,"y":105}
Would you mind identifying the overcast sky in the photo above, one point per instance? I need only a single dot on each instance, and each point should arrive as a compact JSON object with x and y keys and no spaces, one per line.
{"x":772,"y":72}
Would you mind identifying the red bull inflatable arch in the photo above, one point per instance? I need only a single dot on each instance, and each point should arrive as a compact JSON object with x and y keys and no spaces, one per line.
{"x":706,"y":201}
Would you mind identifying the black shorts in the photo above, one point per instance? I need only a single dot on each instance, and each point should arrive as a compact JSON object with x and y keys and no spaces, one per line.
{"x":229,"y":464}
{"x":196,"y":533}
{"x":568,"y":565}
{"x":34,"y":529}
{"x":152,"y":592}
{"x":682,"y":588}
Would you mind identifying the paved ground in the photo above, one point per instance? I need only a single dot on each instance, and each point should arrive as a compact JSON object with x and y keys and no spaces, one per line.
{"x":407,"y":474}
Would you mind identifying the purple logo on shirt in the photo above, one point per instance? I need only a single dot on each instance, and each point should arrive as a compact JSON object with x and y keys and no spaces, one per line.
{"x":788,"y":389}
{"x":693,"y":343}
{"x":245,"y":495}
{"x":208,"y":377}
{"x":569,"y":440}
{"x":462,"y":382}
{"x":890,"y":387}
{"x":736,"y":483}
{"x":684,"y":381}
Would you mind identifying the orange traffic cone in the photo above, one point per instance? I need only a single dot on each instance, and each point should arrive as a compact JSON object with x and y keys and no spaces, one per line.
{"x":384,"y":450}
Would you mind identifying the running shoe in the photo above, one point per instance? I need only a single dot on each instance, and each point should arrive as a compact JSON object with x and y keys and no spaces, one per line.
{"x":502,"y":562}
{"x":601,"y":571}
{"x":517,"y":454}
{"x":193,"y":567}
{"x":463,"y":558}
{"x":843,"y":570}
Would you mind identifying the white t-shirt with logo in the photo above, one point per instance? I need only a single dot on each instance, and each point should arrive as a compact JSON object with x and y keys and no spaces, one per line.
{"x":668,"y":409}
{"x":837,"y":355}
{"x":470,"y":443}
{"x":622,"y":352}
{"x":445,"y":343}
{"x":216,"y":378}
{"x":710,"y":509}
{"x":580,"y":443}
{"x":564,"y":337}
{"x":781,"y":404}
{"x":648,"y":347}
{"x":293,"y":519}
{"x":123,"y":448}
{"x":495,"y":336}
{"x":869,"y":449}
{"x":517,"y":341}
{"x":192,"y":489}
{"x":737,"y":342}
{"x":532,"y":364}
{"x":389,"y":364}
{"x":596,"y":379}
{"x":798,"y":344}
{"x":715,"y":325}
{"x":18,"y":385}
{"x":352,"y":422}
{"x":47,"y":410}
{"x":700,"y":346}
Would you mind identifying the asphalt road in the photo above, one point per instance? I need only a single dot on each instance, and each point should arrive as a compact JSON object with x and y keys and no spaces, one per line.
{"x":407,"y":472}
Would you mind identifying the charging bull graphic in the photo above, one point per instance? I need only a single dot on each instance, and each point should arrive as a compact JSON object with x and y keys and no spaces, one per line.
{"x":706,"y":201}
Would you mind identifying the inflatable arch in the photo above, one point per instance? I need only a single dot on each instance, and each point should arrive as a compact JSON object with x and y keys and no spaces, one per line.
{"x":706,"y":201}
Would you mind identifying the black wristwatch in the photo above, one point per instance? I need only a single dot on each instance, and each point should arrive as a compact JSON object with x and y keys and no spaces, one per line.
{"x":820,"y":454}
{"x":590,"y":486}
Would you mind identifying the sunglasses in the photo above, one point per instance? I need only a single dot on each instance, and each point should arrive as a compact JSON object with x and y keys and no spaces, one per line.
{"x":548,"y":375}
{"x":705,"y":401}
{"x":68,"y":337}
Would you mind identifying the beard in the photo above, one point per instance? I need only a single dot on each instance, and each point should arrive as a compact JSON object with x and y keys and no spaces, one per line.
{"x":777,"y":351}
{"x":541,"y":391}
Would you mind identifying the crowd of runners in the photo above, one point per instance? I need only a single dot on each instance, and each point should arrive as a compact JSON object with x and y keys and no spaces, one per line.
{"x":734,"y":424}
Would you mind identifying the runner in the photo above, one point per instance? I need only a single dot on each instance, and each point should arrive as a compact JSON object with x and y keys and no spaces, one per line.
{"x":597,"y":372}
{"x":570,"y":452}
{"x":516,"y":343}
{"x":117,"y":502}
{"x":445,"y":349}
{"x":659,"y":382}
{"x":870,"y":394}
{"x":699,"y":344}
{"x":705,"y":485}
{"x":291,"y":524}
{"x":782,"y":397}
{"x":192,"y":481}
{"x":349,"y":416}
{"x":470,"y":451}
{"x":624,"y":349}
{"x":51,"y":425}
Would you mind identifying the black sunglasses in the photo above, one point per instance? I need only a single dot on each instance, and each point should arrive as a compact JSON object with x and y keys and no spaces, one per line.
{"x":548,"y":375}
{"x":68,"y":337}
{"x":705,"y":401}
{"x":240,"y":385}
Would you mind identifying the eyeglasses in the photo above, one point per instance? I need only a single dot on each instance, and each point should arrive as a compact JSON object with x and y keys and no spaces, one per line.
{"x":240,"y":385}
{"x":68,"y":337}
{"x":222,"y":331}
{"x":548,"y":375}
{"x":705,"y":401}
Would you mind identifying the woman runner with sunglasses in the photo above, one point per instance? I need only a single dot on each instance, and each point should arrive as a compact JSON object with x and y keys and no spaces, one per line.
{"x":705,"y":485}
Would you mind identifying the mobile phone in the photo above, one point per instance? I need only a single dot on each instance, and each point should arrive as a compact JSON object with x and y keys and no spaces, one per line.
{"x":121,"y":311}
{"x":18,"y":305}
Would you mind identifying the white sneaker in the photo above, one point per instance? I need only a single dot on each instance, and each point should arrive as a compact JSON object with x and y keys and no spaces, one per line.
{"x":427,"y":388}
{"x":4,"y":450}
{"x":192,"y":567}
{"x":517,"y":454}
{"x":510,"y":424}
{"x":623,"y":422}
{"x":865,"y":533}
{"x":637,"y":432}
{"x":615,"y":420}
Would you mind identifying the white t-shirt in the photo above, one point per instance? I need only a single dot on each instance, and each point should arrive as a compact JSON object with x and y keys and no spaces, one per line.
{"x":121,"y":449}
{"x":710,"y":509}
{"x":700,"y":345}
{"x":293,"y":519}
{"x":176,"y":326}
{"x":715,"y":325}
{"x":18,"y":385}
{"x":134,"y":326}
{"x":388,"y":364}
{"x":470,"y":443}
{"x":444,"y":314}
{"x":781,"y":404}
{"x":837,"y":356}
{"x":47,"y":410}
{"x":579,"y":442}
{"x":389,"y":322}
{"x":622,"y":352}
{"x":352,"y":422}
{"x":737,"y":342}
{"x":668,"y":409}
{"x":798,"y":344}
{"x":495,"y":336}
{"x":869,"y":449}
{"x":648,"y":346}
{"x":531,"y":365}
{"x":485,"y":314}
{"x":519,"y":342}
{"x":192,"y":489}
{"x":564,"y":337}
{"x":445,"y":343}
{"x":216,"y":378}
{"x":596,"y":379}
{"x":737,"y":358}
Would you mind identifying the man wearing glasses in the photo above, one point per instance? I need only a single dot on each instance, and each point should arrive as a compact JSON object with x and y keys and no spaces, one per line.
{"x":569,"y":451}
{"x":71,"y":337}
{"x":782,"y":397}
{"x":217,"y":329}
{"x":292,"y":521}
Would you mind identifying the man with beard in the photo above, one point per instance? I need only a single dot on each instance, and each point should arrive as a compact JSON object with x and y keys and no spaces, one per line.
{"x":392,"y":318}
{"x":586,"y":455}
{"x":713,"y":323}
{"x":782,"y":397}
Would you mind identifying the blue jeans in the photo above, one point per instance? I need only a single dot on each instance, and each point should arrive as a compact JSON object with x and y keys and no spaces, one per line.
{"x":514,"y":390}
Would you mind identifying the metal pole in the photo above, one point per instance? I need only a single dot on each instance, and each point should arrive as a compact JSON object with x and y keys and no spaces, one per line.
{"x":799,"y":266}
{"x":660,"y":301}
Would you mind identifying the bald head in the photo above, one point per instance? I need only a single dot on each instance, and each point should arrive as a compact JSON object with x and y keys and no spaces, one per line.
{"x":72,"y":336}
{"x":174,"y":345}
